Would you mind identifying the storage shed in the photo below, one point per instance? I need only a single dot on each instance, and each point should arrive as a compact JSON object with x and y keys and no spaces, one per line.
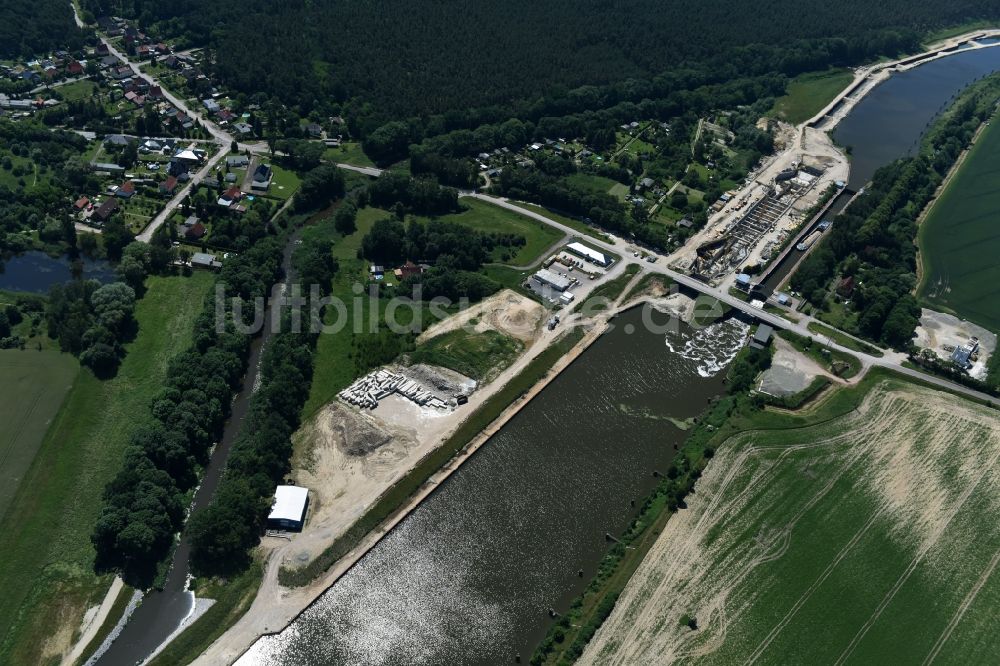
{"x":289,"y":509}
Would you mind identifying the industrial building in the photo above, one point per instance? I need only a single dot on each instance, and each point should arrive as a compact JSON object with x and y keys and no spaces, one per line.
{"x":546,"y":277}
{"x":593,"y":256}
{"x":289,"y":509}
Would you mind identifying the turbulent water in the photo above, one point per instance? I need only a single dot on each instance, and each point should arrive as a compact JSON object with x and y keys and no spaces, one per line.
{"x":469,"y":576}
{"x":711,"y":348}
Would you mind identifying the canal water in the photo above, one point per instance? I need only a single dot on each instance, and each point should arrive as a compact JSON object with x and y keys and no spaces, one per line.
{"x":36,"y":272}
{"x":889,"y":122}
{"x":469,"y":576}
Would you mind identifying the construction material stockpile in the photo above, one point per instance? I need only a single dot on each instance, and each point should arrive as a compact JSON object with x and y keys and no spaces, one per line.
{"x":367,"y":391}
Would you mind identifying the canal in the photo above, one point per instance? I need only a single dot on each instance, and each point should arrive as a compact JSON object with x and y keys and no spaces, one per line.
{"x":470,"y":575}
{"x":889,"y":122}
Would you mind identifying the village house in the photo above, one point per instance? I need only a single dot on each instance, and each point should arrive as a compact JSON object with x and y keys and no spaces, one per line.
{"x":168,"y":186}
{"x":104,"y":211}
{"x":261,"y":178}
{"x":126,"y":190}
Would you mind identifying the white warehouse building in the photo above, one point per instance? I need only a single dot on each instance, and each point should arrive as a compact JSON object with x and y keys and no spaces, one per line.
{"x":552,"y":279}
{"x":289,"y":509}
{"x":593,"y":256}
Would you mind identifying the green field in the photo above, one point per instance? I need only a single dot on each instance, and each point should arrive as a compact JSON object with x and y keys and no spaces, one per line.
{"x":487,"y":218}
{"x":284,"y":184}
{"x":47,"y":574}
{"x":958,"y":239}
{"x":476,"y":355}
{"x":349,"y":153}
{"x":77,"y":90}
{"x":860,"y":530}
{"x":808,"y":93}
{"x":32,"y":387}
{"x":592,"y":183}
{"x":571,"y":222}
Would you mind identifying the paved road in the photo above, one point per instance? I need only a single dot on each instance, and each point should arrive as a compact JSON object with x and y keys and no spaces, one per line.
{"x":892,"y":361}
{"x":221,"y":137}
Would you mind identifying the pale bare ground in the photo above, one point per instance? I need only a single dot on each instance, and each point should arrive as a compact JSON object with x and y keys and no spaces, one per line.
{"x":791,"y":371}
{"x":940,"y":332}
{"x":92,"y":621}
{"x":899,"y":436}
{"x":506,"y":312}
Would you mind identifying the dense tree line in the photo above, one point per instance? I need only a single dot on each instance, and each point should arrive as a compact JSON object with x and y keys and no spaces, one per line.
{"x":143,"y":505}
{"x":872,"y":242}
{"x":418,"y":59}
{"x":33,"y":27}
{"x":223,"y":533}
{"x":320,"y":186}
{"x":92,"y":321}
{"x":423,"y":196}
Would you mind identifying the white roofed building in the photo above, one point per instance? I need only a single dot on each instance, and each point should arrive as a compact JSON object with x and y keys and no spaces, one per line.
{"x":289,"y":509}
{"x":593,"y":256}
{"x":552,"y":279}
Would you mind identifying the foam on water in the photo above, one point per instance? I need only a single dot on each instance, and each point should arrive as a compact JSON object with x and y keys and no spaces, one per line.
{"x":712,"y":348}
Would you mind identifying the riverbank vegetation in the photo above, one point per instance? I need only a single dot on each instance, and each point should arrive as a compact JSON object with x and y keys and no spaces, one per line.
{"x":45,"y":534}
{"x":862,"y":274}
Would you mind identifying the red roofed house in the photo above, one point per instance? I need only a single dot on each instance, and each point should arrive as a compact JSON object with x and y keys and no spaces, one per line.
{"x":126,"y":190}
{"x":408,"y":270}
{"x":230,"y":197}
{"x":81,"y":203}
{"x":74,"y":67}
{"x":195,"y":231}
{"x":168,"y":186}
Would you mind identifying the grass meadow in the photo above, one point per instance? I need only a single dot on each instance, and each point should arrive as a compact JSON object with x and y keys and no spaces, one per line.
{"x":476,"y":355}
{"x":47,"y":574}
{"x":487,"y":218}
{"x":959,"y":242}
{"x":834,"y":535}
{"x":808,"y":93}
{"x":32,"y":390}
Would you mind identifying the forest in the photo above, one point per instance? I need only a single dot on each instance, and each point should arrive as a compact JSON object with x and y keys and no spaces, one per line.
{"x":34,"y":27}
{"x":481,"y":62}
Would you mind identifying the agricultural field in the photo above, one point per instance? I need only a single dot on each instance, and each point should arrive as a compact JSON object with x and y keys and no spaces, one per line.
{"x":808,"y":93}
{"x":33,"y":388}
{"x":958,"y":240}
{"x":47,"y":576}
{"x":861,"y":531}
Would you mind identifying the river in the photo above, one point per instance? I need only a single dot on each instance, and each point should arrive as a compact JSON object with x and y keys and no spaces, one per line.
{"x":890,"y":120}
{"x":37,"y":272}
{"x":162,"y":611}
{"x":469,"y":576}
